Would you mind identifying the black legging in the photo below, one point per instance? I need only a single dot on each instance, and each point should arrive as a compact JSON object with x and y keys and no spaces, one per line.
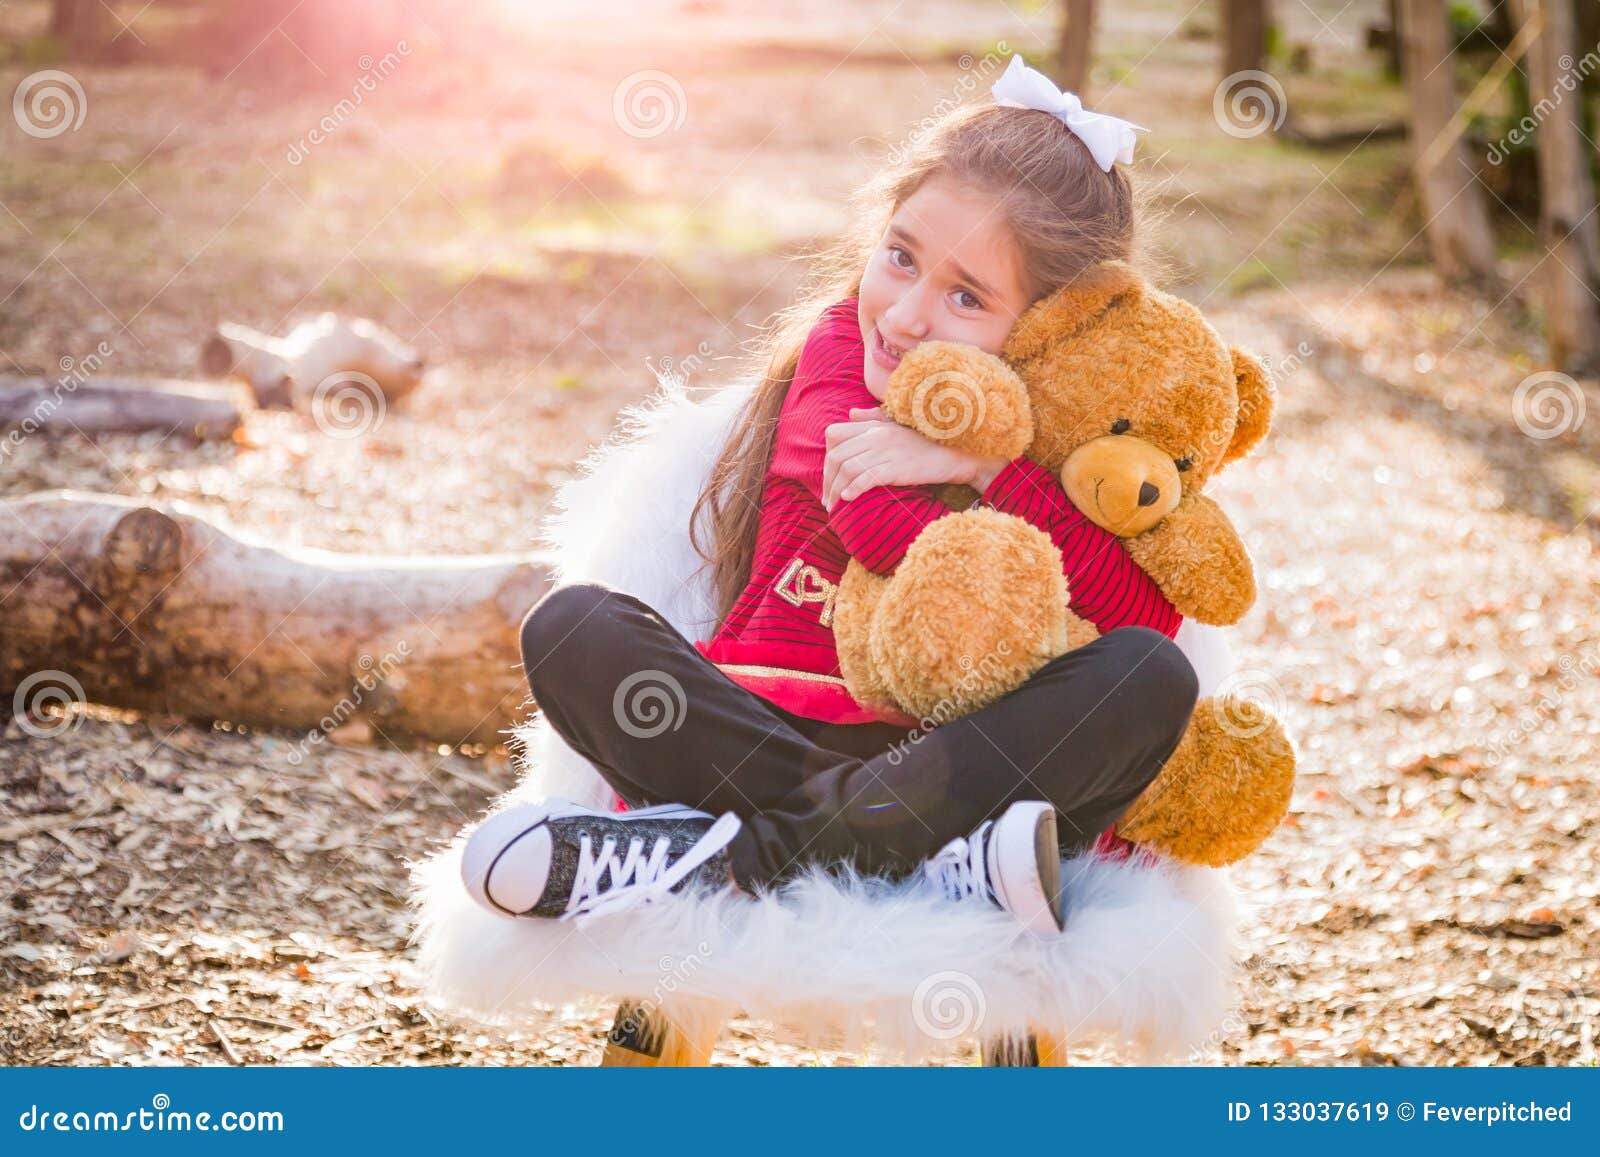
{"x":662,"y":724}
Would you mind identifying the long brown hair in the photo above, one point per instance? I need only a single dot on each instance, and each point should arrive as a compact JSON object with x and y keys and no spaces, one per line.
{"x":1065,"y":213}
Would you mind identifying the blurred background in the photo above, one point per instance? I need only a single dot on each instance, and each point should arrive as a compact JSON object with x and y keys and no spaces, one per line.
{"x":535,"y":207}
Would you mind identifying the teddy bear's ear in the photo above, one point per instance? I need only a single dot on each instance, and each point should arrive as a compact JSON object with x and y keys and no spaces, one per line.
{"x":1070,"y":308}
{"x":1256,"y":401}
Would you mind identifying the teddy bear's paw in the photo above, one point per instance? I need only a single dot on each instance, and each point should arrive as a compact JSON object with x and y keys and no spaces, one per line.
{"x":1224,"y":790}
{"x":976,"y":606}
{"x":1199,"y":561}
{"x":860,"y":591}
{"x":963,"y":397}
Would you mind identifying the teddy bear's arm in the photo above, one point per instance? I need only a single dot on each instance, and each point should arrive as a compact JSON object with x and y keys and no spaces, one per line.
{"x":958,"y":395}
{"x":1199,"y":561}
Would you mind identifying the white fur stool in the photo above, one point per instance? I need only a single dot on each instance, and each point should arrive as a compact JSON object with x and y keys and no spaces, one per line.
{"x":1146,"y":959}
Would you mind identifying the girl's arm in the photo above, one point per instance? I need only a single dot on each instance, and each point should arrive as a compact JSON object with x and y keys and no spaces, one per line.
{"x":1106,"y":586}
{"x":875,"y":527}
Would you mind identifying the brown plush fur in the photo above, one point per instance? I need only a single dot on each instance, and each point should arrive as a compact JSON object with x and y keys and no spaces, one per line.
{"x":1136,"y":402}
{"x":946,"y":580}
{"x":980,"y":405}
{"x":1222,"y":792}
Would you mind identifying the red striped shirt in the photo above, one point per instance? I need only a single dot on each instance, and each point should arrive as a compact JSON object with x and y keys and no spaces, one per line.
{"x":778,"y":638}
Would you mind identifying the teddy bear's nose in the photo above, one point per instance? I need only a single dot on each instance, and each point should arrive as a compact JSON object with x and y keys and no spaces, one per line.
{"x":1149,"y":494}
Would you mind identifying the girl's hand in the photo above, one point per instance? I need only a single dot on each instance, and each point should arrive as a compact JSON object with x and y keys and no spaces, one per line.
{"x":870,"y":450}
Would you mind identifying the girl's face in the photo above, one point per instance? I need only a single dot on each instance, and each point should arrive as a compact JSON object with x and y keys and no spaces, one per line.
{"x":947,"y":269}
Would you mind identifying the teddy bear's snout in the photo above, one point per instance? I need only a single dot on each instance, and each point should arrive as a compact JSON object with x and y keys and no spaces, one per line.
{"x":1122,"y":483}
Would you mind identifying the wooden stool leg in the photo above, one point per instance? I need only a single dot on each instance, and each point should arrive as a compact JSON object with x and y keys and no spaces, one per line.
{"x":645,"y":1037}
{"x":1035,"y":1051}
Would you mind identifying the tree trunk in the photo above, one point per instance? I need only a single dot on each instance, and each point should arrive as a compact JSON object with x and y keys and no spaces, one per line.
{"x":153,"y":608}
{"x":1455,"y":218}
{"x":77,"y":24}
{"x":1075,"y":47}
{"x":123,"y":406}
{"x":1244,"y":36}
{"x":1568,"y":230}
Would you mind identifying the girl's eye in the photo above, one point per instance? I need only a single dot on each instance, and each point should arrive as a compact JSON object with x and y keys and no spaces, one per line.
{"x":967,"y":293}
{"x":895,"y":253}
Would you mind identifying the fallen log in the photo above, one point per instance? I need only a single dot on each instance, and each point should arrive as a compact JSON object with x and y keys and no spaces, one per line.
{"x":198,"y":410}
{"x":154,"y":608}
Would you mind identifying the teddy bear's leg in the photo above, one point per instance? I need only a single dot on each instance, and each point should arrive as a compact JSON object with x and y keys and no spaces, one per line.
{"x":1037,"y":1050}
{"x":976,"y":606}
{"x":1223,"y":791}
{"x":860,"y":591}
{"x":646,"y":1037}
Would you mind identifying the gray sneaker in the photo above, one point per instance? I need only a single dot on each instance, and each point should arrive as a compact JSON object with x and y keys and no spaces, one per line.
{"x":559,"y":859}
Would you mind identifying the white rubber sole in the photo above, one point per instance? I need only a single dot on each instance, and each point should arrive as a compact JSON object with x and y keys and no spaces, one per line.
{"x":506,"y":862}
{"x":1025,"y":867}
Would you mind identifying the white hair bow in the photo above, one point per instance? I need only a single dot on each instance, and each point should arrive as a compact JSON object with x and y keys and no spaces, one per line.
{"x":1109,"y":138}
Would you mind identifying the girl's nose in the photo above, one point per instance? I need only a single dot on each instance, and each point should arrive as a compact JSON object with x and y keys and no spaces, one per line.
{"x":904,"y":320}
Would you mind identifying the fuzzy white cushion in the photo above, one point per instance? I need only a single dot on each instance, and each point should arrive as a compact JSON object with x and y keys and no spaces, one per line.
{"x":1147,"y":957}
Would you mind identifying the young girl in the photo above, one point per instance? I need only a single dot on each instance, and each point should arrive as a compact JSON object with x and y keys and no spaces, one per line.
{"x":996,"y":208}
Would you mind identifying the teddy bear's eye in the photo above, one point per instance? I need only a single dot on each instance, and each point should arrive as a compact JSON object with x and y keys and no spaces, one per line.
{"x":1183,"y":464}
{"x":1121,"y":426}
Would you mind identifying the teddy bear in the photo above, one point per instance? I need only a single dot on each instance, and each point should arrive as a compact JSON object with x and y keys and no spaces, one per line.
{"x":1135,"y":402}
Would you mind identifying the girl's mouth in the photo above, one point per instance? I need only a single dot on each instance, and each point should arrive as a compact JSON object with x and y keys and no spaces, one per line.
{"x":883,"y":353}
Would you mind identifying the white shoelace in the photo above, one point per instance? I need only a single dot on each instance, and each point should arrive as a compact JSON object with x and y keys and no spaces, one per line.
{"x":959,"y":867}
{"x":636,"y":878}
